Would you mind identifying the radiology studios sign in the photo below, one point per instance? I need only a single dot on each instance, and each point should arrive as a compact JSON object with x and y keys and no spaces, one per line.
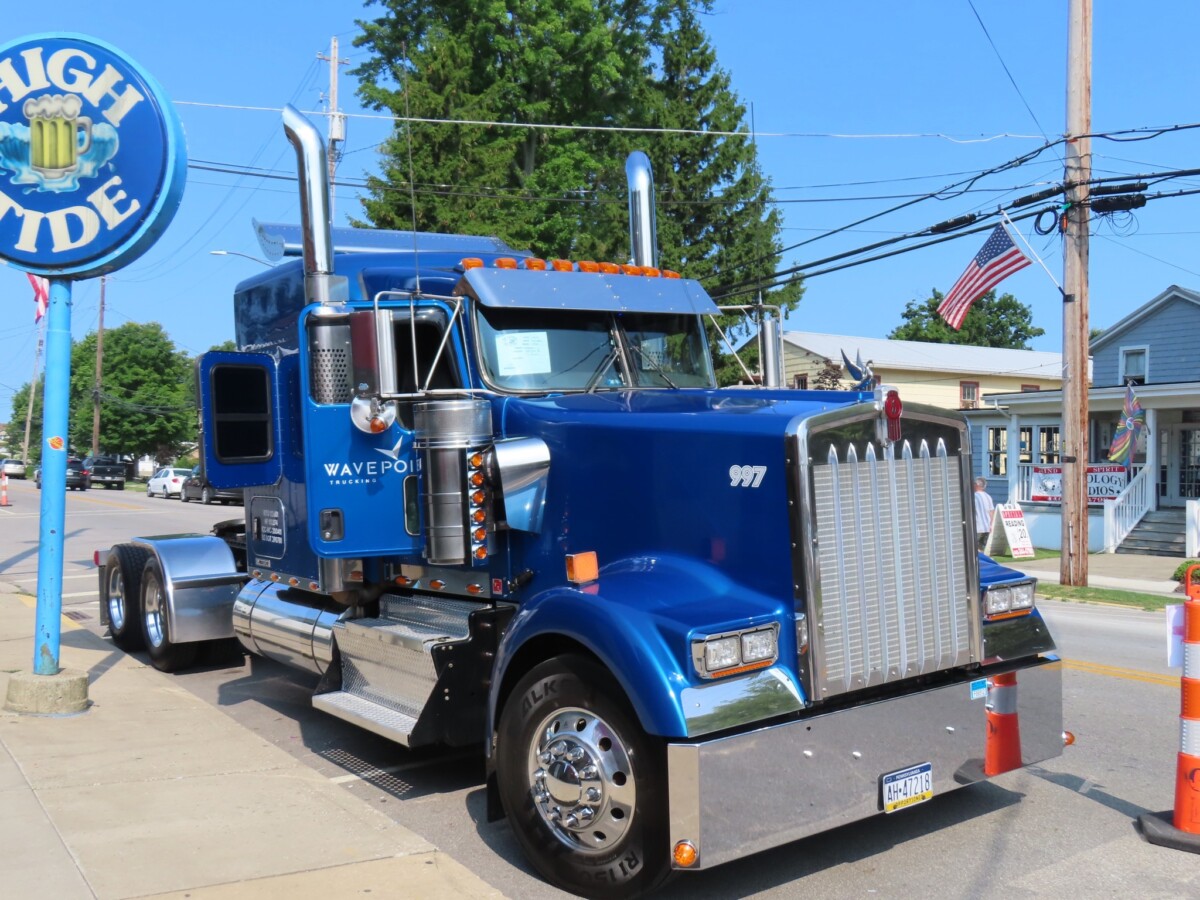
{"x":92,"y":164}
{"x":92,"y":168}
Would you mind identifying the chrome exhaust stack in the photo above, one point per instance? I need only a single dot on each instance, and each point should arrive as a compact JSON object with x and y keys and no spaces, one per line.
{"x":643,"y":229}
{"x":320,"y":284}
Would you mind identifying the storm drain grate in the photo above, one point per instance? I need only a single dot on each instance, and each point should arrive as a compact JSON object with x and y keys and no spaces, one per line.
{"x":76,"y":615}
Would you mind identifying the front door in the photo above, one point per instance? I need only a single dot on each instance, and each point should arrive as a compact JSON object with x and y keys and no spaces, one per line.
{"x":1180,"y":470}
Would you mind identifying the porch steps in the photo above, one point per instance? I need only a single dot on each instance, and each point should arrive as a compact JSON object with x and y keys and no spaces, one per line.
{"x":1160,"y":533}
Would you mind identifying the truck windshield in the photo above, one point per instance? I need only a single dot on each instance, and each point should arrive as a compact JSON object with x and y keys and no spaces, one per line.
{"x":560,"y":350}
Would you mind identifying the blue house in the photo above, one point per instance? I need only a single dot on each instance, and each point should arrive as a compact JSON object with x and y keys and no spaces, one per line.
{"x":1017,"y":437}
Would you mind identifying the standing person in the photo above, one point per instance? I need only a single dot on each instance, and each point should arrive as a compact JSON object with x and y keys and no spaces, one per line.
{"x":983,"y":511}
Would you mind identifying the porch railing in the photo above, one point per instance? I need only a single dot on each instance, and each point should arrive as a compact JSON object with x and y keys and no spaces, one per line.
{"x":1123,"y":513}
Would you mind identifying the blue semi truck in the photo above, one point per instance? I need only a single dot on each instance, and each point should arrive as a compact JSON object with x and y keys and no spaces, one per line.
{"x":499,"y":501}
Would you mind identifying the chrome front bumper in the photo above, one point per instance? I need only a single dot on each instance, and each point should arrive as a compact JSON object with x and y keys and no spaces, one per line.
{"x":737,"y":795}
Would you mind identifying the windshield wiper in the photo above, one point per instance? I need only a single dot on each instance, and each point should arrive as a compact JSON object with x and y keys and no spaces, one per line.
{"x":602,"y":371}
{"x":653,"y":364}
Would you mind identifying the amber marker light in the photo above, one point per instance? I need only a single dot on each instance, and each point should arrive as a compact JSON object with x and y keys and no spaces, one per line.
{"x":685,"y":854}
{"x":537,"y":265}
{"x":313,"y":586}
{"x":651,"y":272}
{"x":1068,"y":738}
{"x":610,"y":268}
{"x":378,"y":425}
{"x":632,"y":270}
{"x":437,"y":584}
{"x":505,"y":262}
{"x":667,"y":273}
{"x":293,"y":582}
{"x":474,"y":588}
{"x":471,"y":262}
{"x":479,"y":516}
{"x":401,"y":580}
{"x":476,"y":460}
{"x":480,"y":534}
{"x":476,"y":479}
{"x":582,"y":567}
{"x":478,"y":497}
{"x":562,"y":265}
{"x":587,"y":265}
{"x":481,"y":552}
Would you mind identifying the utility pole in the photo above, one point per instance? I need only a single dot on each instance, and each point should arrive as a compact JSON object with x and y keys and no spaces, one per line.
{"x":337,"y":121}
{"x":99,"y":370}
{"x":1073,"y":568}
{"x":37,"y":357}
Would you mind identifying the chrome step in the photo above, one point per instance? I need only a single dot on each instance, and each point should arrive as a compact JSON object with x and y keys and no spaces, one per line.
{"x":375,"y":717}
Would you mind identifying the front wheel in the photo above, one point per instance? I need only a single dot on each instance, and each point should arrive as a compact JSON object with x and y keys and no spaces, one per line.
{"x":581,"y":783}
{"x":156,"y":628}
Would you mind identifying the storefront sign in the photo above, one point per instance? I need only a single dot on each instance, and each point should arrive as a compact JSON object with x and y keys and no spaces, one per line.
{"x":1104,"y":482}
{"x":92,"y":162}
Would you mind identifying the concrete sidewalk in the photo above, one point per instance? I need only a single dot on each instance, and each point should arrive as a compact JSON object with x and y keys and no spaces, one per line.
{"x":154,"y":793}
{"x":1120,"y":571}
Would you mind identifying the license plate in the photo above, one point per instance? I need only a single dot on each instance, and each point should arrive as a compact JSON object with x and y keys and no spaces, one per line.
{"x":908,"y":787}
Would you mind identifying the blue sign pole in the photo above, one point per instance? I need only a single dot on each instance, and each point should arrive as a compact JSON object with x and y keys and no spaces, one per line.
{"x":55,"y":441}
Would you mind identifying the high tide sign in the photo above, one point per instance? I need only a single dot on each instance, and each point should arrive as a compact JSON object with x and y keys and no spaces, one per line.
{"x":92,"y":161}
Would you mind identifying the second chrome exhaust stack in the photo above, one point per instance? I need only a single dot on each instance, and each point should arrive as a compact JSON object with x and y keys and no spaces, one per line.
{"x":320,"y":284}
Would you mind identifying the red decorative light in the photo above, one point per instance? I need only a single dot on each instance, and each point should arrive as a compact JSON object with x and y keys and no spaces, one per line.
{"x":893,"y":409}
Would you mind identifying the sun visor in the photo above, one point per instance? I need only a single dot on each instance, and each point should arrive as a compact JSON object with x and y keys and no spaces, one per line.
{"x":279,"y":240}
{"x":532,"y":289}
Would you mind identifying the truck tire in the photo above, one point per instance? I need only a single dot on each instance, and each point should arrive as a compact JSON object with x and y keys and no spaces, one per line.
{"x":581,"y":783}
{"x":164,"y":655}
{"x":121,"y":595}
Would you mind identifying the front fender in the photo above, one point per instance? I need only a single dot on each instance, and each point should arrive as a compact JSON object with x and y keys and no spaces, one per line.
{"x":639,"y":619}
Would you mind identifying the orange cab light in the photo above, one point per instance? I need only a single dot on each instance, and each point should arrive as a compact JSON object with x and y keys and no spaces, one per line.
{"x":471,"y":262}
{"x":667,"y":273}
{"x":474,"y":588}
{"x":478,"y":497}
{"x":313,"y":586}
{"x":651,"y":272}
{"x":437,"y":584}
{"x":610,"y":268}
{"x":274,"y":576}
{"x":476,"y":479}
{"x":476,"y":460}
{"x":586,"y":265}
{"x":479,"y":516}
{"x":561,"y":265}
{"x":537,"y":265}
{"x":378,"y":425}
{"x":257,"y":573}
{"x":401,"y":580}
{"x":582,"y":567}
{"x":505,"y":262}
{"x":481,"y":552}
{"x":479,"y":534}
{"x":632,"y":270}
{"x":292,"y":582}
{"x":1068,"y":738}
{"x":685,"y":854}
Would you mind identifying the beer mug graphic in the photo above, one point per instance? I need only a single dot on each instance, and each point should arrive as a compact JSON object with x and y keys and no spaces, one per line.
{"x":58,"y":134}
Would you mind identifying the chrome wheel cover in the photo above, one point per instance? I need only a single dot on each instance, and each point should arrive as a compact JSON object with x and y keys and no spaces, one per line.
{"x":116,"y":598}
{"x":581,"y":780}
{"x":153,"y":612}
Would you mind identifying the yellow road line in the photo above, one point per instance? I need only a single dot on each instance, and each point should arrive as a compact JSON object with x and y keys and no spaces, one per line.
{"x":31,"y":602}
{"x":1119,"y":672}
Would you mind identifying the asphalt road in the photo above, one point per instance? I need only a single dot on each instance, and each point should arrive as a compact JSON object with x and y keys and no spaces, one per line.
{"x":1065,"y":828}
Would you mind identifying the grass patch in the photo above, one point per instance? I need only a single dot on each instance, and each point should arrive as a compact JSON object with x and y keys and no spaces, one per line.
{"x":1105,"y":595}
{"x":1038,"y":553}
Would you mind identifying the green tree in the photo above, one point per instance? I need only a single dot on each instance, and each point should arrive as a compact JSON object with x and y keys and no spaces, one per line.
{"x":991,"y":322}
{"x":147,"y":398}
{"x":561,"y":191}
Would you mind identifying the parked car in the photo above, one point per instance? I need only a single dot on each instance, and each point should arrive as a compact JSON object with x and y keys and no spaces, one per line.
{"x":106,"y":470}
{"x":196,"y":487}
{"x":13,"y":468}
{"x":77,"y":476}
{"x":167,"y":482}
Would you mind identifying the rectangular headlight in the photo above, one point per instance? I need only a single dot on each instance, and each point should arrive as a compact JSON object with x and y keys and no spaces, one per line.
{"x":721,"y":653}
{"x":1012,"y":599}
{"x":1022,"y":596}
{"x":759,"y":645}
{"x":998,"y":600}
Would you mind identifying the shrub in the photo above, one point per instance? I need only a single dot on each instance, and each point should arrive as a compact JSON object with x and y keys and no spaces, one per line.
{"x":1183,"y":567}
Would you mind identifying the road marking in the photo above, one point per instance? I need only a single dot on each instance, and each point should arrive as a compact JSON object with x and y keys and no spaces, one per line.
{"x":31,"y":602}
{"x":1119,"y":672}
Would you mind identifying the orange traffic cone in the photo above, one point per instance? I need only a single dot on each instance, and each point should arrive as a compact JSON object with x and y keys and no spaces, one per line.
{"x":4,"y":489}
{"x":1181,"y":831}
{"x":1002,"y":751}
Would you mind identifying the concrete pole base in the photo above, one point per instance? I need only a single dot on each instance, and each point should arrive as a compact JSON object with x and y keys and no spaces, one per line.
{"x":47,"y":695}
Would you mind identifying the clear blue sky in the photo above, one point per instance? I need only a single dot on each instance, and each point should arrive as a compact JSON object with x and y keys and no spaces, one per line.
{"x":811,"y":70}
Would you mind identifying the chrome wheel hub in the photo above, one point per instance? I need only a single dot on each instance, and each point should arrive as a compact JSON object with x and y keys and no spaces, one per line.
{"x":116,"y":599}
{"x":153,"y":613}
{"x":581,"y":780}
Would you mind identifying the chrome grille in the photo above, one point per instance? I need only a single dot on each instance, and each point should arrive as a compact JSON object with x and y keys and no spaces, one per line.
{"x":893,"y":598}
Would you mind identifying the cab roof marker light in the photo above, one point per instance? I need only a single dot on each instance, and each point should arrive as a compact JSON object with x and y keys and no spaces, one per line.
{"x":535,"y":264}
{"x":610,"y":268}
{"x":631,"y":270}
{"x":667,"y":273}
{"x":562,"y":265}
{"x":651,"y":272}
{"x":470,"y":262}
{"x":505,"y":262}
{"x":587,"y":265}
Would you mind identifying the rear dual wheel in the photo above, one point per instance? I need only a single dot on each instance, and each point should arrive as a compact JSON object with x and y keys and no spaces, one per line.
{"x":582,"y":783}
{"x":121,"y":595}
{"x":165,"y":655}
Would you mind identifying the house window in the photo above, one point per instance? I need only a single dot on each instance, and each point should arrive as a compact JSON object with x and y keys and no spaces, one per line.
{"x":968,"y":394}
{"x":1025,"y":451}
{"x":997,"y":451}
{"x":1027,"y":388}
{"x":1133,"y":365}
{"x":800,"y":382}
{"x":1049,"y":444}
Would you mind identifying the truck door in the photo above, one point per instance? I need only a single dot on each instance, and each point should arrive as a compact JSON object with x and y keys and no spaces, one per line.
{"x":240,"y":408}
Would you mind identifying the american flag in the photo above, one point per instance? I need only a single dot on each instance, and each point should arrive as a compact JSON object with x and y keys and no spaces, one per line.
{"x":41,"y":295}
{"x":998,"y":259}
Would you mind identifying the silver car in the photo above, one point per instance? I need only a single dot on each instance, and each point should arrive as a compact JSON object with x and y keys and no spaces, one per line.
{"x":13,"y":468}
